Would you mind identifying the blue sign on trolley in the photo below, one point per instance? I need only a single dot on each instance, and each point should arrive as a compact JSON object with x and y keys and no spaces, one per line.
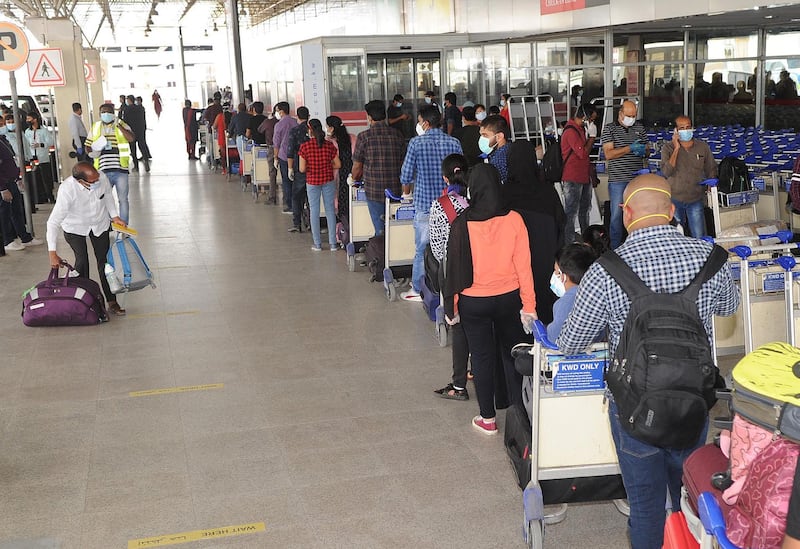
{"x":579,"y":372}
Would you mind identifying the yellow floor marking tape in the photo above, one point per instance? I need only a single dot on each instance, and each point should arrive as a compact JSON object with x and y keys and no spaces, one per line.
{"x":169,"y":390}
{"x":197,"y":535}
{"x":162,"y":313}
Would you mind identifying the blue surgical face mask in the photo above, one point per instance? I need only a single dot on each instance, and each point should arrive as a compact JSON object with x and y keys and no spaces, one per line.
{"x":484,"y":146}
{"x":3,"y":131}
{"x":398,"y":104}
{"x":480,"y":116}
{"x":107,"y":117}
{"x":94,"y":186}
{"x":10,"y":127}
{"x":502,"y":102}
{"x":557,"y":285}
{"x":685,"y":135}
{"x":428,"y":100}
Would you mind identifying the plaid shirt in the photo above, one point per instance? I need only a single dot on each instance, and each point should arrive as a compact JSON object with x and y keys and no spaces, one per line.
{"x":319,"y":167}
{"x":499,"y":159}
{"x":380,"y":149}
{"x":667,"y":262}
{"x":423,"y":165}
{"x":297,"y":136}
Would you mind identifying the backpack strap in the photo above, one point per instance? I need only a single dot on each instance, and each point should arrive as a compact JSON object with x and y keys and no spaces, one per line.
{"x":449,"y":209}
{"x":562,"y":137}
{"x":623,"y":275}
{"x":716,"y":259}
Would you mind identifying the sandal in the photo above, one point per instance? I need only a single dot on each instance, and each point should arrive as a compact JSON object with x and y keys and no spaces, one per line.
{"x":452,"y":393}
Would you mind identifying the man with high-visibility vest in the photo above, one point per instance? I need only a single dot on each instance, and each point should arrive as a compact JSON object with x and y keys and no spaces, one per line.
{"x":109,"y":145}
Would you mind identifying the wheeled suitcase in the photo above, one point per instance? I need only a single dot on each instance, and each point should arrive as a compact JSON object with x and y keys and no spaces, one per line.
{"x":68,"y":301}
{"x":766,"y":390}
{"x":128,"y":265}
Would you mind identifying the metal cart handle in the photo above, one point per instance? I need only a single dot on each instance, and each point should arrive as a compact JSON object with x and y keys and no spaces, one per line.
{"x":391,"y":196}
{"x":540,"y":335}
{"x":713,"y":521}
{"x":784,"y":236}
{"x":710,"y":182}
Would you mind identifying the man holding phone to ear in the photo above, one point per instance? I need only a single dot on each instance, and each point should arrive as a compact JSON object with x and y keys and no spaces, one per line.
{"x":685,"y":162}
{"x":85,"y":206}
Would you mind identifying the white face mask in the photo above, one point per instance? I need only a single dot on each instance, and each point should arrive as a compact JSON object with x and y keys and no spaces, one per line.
{"x":428,"y":100}
{"x":557,"y":285}
{"x":419,"y":128}
{"x":278,"y":115}
{"x":502,"y":102}
{"x":628,"y":121}
{"x":398,"y":105}
{"x":480,"y":116}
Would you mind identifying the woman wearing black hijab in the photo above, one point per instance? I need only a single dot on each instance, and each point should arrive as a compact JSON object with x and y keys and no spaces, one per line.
{"x":526,"y":192}
{"x":489,"y":284}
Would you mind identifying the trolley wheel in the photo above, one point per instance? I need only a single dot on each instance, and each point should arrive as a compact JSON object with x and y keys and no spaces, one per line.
{"x":351,"y":263}
{"x":391,"y":292}
{"x":441,"y":332}
{"x":534,"y":534}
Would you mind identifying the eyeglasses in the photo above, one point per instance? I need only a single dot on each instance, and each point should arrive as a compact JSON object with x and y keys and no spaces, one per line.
{"x":90,"y":182}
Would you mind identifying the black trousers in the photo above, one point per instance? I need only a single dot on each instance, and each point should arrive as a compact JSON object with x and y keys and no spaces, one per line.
{"x":299,"y":198}
{"x":12,"y":217}
{"x":43,"y":178}
{"x":483,"y":318}
{"x":100,"y":245}
{"x":460,"y":349}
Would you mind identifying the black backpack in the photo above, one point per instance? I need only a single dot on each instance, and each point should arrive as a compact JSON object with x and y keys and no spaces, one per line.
{"x":552,"y":161}
{"x":663,"y":374}
{"x":733,"y":175}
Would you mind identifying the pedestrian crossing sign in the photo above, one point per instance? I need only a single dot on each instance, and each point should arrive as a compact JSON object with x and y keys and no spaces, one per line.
{"x":46,"y":67}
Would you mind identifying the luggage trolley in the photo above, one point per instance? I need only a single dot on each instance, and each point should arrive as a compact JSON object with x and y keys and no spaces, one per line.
{"x":361,"y":228}
{"x":232,"y":160}
{"x":533,"y":118}
{"x":399,"y":247}
{"x":246,"y":163}
{"x":567,"y":398}
{"x":259,"y":176}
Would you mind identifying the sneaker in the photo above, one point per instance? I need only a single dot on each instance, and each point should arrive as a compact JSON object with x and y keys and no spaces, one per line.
{"x":323,"y":230}
{"x":411,"y":295}
{"x":334,"y":247}
{"x":483,"y":426}
{"x":316,"y":248}
{"x":294,"y":229}
{"x":287,"y":212}
{"x":452,"y":393}
{"x":115,"y":309}
{"x":14,"y":247}
{"x":33,"y":242}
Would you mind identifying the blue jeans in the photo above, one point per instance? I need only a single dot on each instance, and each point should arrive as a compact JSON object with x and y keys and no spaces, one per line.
{"x":577,"y":201}
{"x":376,"y":211}
{"x":285,"y":184}
{"x":691,"y":213}
{"x":616,"y":190}
{"x":328,"y":193}
{"x":119,"y":180}
{"x":421,"y":238}
{"x":647,"y":472}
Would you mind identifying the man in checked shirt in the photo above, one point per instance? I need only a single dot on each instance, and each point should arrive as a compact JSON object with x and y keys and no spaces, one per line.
{"x":666,"y":261}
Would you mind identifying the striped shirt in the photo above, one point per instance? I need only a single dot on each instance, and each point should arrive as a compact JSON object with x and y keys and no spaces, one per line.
{"x":666,"y":261}
{"x":423,"y":166}
{"x":624,"y":168}
{"x":109,"y":157}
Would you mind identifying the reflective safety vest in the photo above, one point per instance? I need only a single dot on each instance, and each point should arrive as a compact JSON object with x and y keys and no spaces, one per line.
{"x":122,"y":144}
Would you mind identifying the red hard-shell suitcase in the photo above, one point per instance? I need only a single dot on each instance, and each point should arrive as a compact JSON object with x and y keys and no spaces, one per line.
{"x":677,"y":534}
{"x":697,"y":471}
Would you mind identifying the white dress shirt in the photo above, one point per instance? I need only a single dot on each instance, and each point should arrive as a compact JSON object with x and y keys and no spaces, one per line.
{"x":77,"y":130}
{"x":79,"y":210}
{"x":40,"y":136}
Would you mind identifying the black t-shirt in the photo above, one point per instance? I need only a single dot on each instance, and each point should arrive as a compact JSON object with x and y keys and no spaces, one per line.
{"x":255,"y":121}
{"x":452,"y":114}
{"x":469,"y":136}
{"x":793,"y":517}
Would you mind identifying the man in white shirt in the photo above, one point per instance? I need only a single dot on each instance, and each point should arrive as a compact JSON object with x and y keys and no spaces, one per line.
{"x":77,"y":130}
{"x":85,"y":207}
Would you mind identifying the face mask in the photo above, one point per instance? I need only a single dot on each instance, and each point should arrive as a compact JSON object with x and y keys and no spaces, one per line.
{"x":107,"y":117}
{"x":685,"y":135}
{"x":428,"y":100}
{"x":420,"y":131}
{"x":94,"y":186}
{"x":398,"y":105}
{"x":484,"y":146}
{"x":480,"y":116}
{"x":557,"y":286}
{"x":278,"y":115}
{"x":502,"y":102}
{"x":10,"y":127}
{"x":628,"y":121}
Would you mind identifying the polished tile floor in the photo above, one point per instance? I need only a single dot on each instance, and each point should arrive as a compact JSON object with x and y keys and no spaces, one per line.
{"x":325,"y":427}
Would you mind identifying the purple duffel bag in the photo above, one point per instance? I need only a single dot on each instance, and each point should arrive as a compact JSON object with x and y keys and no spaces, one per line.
{"x":68,"y":301}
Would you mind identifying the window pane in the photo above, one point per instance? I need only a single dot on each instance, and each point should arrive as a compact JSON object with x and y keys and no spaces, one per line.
{"x":782,"y":44}
{"x":346,"y":83}
{"x":495,"y":56}
{"x":463,"y":76}
{"x":553,"y":82}
{"x":715,"y":45}
{"x":720,"y":92}
{"x":495,"y":85}
{"x":520,"y":82}
{"x":551,"y":54}
{"x":663,"y":96}
{"x":519,"y":56}
{"x":375,"y":80}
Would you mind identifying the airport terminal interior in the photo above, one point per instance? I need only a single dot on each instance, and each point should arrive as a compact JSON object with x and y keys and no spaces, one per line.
{"x":263,"y":395}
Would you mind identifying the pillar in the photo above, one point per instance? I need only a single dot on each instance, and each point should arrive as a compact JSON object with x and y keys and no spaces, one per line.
{"x":63,"y":34}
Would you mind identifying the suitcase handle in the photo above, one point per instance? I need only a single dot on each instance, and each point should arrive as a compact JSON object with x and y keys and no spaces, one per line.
{"x":52,"y":279}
